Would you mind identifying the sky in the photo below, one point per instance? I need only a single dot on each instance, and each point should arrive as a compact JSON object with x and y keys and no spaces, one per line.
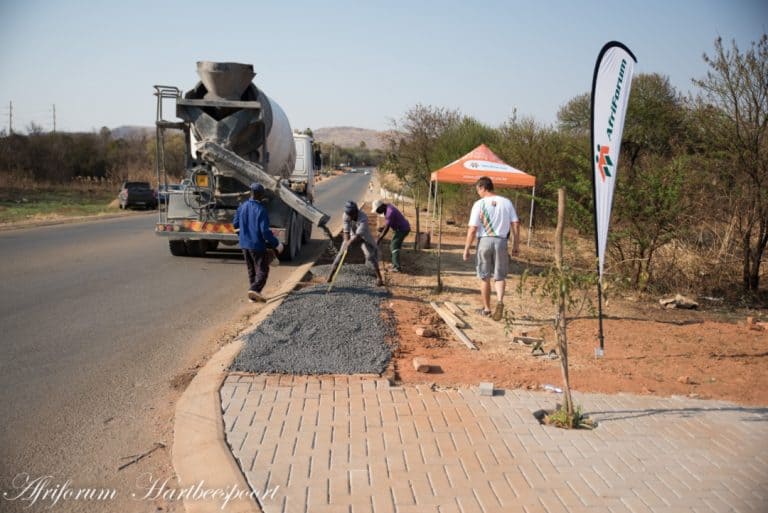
{"x":346,"y":63}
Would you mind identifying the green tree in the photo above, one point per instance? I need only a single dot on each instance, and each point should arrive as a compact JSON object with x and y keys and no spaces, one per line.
{"x":574,"y":116}
{"x":649,"y":201}
{"x":412,"y":142}
{"x":734,"y":98}
{"x":557,"y":159}
{"x":649,"y":213}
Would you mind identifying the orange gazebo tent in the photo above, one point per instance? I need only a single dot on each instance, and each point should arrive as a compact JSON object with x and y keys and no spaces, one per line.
{"x":483,"y":162}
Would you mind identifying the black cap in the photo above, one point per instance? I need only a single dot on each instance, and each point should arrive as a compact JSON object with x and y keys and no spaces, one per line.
{"x":350,"y":207}
{"x":257,"y":188}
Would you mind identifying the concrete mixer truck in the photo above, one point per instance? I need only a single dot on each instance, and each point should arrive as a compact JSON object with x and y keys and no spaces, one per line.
{"x":234,"y":135}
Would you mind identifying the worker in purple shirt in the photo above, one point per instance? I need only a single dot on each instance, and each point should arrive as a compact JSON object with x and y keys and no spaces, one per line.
{"x":400,"y":229}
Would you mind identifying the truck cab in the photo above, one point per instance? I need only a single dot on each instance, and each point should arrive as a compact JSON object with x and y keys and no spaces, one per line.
{"x":303,"y":177}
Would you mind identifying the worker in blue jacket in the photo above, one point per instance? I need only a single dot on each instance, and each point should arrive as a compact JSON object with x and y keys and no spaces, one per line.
{"x":256,"y":239}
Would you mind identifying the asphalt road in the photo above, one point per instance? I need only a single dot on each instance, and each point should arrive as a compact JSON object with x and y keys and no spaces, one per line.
{"x":96,"y":320}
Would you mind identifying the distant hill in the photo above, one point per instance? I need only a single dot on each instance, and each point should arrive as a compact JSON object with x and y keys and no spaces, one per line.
{"x":343,"y":136}
{"x":128,"y":132}
{"x":350,"y":137}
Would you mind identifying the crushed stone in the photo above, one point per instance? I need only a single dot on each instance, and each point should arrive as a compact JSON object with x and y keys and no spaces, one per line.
{"x":316,"y":332}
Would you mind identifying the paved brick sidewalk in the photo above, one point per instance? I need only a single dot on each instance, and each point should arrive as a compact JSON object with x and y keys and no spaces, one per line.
{"x":355,"y":445}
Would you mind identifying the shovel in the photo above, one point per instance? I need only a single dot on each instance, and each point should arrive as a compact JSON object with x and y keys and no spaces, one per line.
{"x":336,"y":271}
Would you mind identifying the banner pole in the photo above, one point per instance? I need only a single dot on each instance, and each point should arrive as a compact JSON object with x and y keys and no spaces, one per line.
{"x":600,"y":352}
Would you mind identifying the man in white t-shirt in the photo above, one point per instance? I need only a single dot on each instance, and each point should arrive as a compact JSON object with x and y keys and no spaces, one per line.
{"x":492,"y":220}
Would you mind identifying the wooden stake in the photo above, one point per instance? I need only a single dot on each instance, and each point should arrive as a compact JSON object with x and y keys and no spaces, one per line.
{"x":560,"y":322}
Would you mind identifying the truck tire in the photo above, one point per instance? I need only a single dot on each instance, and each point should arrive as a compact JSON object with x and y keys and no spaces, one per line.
{"x":212,"y":245}
{"x":306,"y":233}
{"x":177,"y":247}
{"x":196,"y":248}
{"x":293,"y":235}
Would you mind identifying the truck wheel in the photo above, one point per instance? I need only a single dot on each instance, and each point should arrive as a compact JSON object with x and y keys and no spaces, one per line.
{"x":306,"y":233}
{"x":177,"y":247}
{"x":196,"y":248}
{"x":293,"y":244}
{"x":212,"y":245}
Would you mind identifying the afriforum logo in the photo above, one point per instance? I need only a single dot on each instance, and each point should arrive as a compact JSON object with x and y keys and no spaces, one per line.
{"x":615,"y":99}
{"x":602,"y":157}
{"x":603,"y":160}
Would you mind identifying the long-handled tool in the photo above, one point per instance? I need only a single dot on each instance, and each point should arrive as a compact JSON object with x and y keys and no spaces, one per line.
{"x":338,"y":268}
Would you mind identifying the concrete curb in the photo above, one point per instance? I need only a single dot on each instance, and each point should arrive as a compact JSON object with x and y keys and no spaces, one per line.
{"x":200,"y":452}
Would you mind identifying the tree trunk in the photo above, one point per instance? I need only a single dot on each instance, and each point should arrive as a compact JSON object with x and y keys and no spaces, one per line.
{"x":757,"y":257}
{"x":418,"y":224}
{"x":560,"y":322}
{"x":746,"y":260}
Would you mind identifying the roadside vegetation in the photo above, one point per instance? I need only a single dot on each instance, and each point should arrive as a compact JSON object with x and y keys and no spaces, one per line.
{"x":45,"y":175}
{"x":52,"y":202}
{"x":690,"y":210}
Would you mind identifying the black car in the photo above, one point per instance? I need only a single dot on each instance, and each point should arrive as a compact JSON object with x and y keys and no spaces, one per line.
{"x":137,"y":194}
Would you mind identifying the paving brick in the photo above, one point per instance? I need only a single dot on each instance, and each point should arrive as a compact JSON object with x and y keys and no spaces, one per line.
{"x":535,"y":507}
{"x":402,"y":493}
{"x":517,"y":482}
{"x":403,"y":409}
{"x":388,"y":414}
{"x":449,"y":508}
{"x":459,"y":452}
{"x":430,"y":453}
{"x":469,"y":504}
{"x":636,"y":505}
{"x":395,"y":462}
{"x":383,"y":501}
{"x":423,"y":492}
{"x":408,"y":432}
{"x":362,"y":505}
{"x":552,"y":503}
{"x":412,"y":455}
{"x":445,"y":445}
{"x":486,"y":496}
{"x":439,"y":482}
{"x":359,"y":481}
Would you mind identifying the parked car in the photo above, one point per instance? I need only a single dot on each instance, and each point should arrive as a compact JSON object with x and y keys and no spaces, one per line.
{"x":162,"y":192}
{"x":137,"y":194}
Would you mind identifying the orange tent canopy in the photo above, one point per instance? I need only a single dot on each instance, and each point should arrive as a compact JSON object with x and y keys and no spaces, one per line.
{"x":483,"y":162}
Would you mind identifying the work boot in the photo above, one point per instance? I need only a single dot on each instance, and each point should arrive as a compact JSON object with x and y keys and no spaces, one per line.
{"x":256,"y":297}
{"x":498,"y":313}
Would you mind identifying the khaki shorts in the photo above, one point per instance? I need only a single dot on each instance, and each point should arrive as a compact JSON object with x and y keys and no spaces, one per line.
{"x":492,"y":258}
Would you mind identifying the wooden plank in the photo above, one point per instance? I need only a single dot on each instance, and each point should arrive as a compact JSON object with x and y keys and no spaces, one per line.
{"x":456,"y":331}
{"x":451,"y":319}
{"x":453,"y":308}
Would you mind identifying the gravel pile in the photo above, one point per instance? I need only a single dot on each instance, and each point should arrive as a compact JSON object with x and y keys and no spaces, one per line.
{"x":315,"y":332}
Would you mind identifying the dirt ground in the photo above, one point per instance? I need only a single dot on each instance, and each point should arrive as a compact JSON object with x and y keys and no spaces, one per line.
{"x":709,"y":353}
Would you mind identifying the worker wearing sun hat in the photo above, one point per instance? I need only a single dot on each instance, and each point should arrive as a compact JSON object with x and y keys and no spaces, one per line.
{"x":400,"y":229}
{"x":252,"y":221}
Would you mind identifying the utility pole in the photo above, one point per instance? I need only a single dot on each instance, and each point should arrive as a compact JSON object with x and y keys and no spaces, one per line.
{"x":54,"y":118}
{"x":10,"y":118}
